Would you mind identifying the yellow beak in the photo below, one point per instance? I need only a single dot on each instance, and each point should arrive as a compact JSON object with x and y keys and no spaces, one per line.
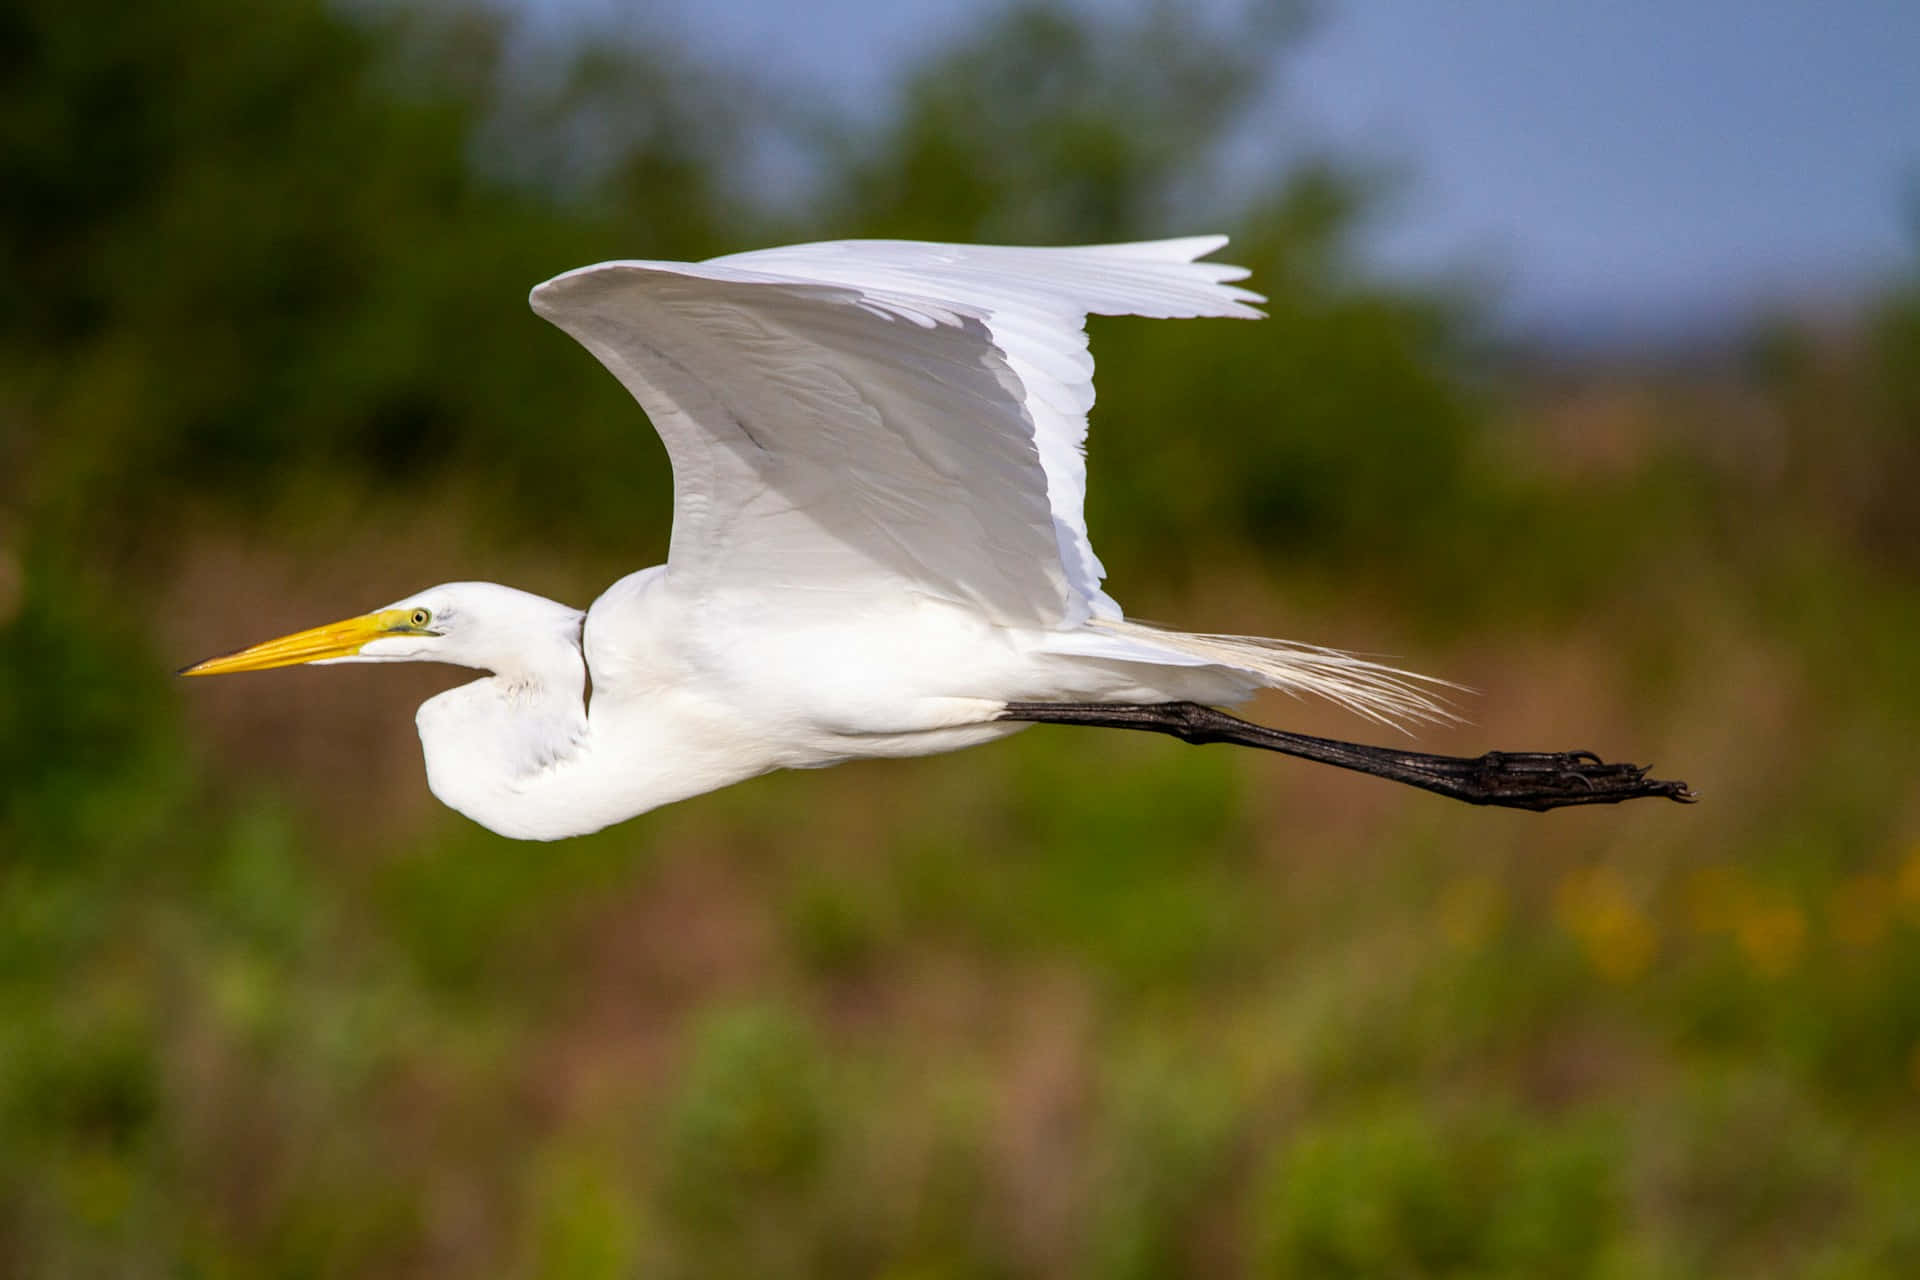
{"x":335,"y":640}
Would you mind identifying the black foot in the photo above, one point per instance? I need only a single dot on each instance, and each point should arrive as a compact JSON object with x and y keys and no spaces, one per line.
{"x":1542,"y":780}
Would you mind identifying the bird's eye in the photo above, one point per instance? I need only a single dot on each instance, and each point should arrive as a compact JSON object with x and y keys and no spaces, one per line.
{"x":421,"y":617}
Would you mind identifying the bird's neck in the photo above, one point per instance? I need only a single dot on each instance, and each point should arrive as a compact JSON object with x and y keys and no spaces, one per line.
{"x":528,"y":763}
{"x":519,"y":753}
{"x":540,"y":660}
{"x":487,"y":741}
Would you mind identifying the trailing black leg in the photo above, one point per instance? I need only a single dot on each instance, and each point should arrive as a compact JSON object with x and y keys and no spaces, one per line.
{"x":1537,"y":780}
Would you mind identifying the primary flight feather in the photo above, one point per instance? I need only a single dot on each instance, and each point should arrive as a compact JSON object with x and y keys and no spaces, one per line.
{"x":878,"y":544}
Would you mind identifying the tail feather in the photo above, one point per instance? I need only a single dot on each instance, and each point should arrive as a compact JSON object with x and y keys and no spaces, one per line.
{"x":1386,"y":695}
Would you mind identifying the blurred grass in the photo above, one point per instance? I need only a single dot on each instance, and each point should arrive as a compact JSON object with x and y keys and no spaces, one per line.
{"x":1070,"y":1005}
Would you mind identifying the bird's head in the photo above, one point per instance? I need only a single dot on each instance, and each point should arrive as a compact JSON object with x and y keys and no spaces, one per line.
{"x":468,"y":624}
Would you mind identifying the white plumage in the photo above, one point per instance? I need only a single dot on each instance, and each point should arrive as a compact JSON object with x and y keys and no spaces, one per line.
{"x":878,"y":540}
{"x":864,"y":415}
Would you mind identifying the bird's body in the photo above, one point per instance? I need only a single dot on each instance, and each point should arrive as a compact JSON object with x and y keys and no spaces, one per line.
{"x":878,"y":545}
{"x":649,"y":697}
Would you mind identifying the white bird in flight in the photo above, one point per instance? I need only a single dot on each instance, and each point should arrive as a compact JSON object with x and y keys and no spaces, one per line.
{"x":878,"y":550}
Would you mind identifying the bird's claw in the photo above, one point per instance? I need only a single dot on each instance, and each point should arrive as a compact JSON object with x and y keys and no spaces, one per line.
{"x":1551,"y":779}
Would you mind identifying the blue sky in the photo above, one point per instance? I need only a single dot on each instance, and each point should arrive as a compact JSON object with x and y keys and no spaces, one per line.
{"x":1630,"y":155}
{"x":1621,"y":160}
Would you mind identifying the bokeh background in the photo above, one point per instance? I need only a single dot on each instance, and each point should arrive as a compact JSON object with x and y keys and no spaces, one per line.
{"x":1078,"y":1004}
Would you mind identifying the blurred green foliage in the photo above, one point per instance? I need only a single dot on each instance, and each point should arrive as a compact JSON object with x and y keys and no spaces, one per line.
{"x":1072,"y":1005}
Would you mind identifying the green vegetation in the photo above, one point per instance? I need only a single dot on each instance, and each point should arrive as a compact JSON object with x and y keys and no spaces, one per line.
{"x":1072,"y":1005}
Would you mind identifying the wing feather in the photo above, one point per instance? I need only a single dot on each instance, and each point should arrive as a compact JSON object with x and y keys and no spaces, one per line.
{"x":881,"y":416}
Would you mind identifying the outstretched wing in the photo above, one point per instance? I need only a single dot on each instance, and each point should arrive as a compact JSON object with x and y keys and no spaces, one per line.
{"x":860,"y":417}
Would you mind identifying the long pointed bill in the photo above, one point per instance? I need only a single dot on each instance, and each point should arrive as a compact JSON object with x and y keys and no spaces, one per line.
{"x":335,"y":640}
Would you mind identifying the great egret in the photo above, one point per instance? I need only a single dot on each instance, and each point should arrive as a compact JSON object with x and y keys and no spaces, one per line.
{"x":878,"y":550}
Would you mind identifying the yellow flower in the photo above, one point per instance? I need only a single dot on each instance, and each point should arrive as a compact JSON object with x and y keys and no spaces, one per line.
{"x":1858,"y":910}
{"x":1617,"y":937}
{"x":1908,"y":887}
{"x":1772,"y":934}
{"x":1715,"y":897}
